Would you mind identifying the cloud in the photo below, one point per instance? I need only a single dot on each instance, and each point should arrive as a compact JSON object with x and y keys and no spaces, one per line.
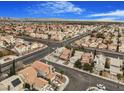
{"x":118,"y":13}
{"x":55,"y":7}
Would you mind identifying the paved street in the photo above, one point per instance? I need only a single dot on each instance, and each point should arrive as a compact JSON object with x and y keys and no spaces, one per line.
{"x":69,"y":41}
{"x":103,"y":51}
{"x":56,"y":43}
{"x":47,"y":42}
{"x":107,"y":52}
{"x":81,"y":81}
{"x":37,"y":55}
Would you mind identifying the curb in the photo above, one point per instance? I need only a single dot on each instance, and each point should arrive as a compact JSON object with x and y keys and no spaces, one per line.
{"x":115,"y":81}
{"x":65,"y":84}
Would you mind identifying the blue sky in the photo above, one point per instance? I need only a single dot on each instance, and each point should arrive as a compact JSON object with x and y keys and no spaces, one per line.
{"x":85,"y":10}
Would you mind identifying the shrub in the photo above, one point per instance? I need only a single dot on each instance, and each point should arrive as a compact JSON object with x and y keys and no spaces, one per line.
{"x":78,"y":64}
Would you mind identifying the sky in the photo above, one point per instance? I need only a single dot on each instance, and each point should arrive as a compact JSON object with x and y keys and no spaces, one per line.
{"x":84,"y":10}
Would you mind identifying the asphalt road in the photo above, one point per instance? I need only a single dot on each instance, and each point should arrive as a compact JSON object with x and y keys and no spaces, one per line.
{"x":47,"y":41}
{"x":80,"y":81}
{"x":55,"y":43}
{"x":69,"y":41}
{"x":102,"y":51}
{"x":106,"y":52}
{"x":38,"y":55}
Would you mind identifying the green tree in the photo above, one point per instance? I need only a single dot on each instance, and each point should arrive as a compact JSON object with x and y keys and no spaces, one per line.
{"x":49,"y":81}
{"x":100,"y":35}
{"x":8,"y":87}
{"x":49,"y":36}
{"x":100,"y":73}
{"x":119,"y":76}
{"x":80,"y":48}
{"x":123,"y":68}
{"x":78,"y":64}
{"x":61,"y":72}
{"x":73,"y":52}
{"x":68,"y":47}
{"x":26,"y":85}
{"x":107,"y":63}
{"x":62,"y":30}
{"x":87,"y":67}
{"x":1,"y":54}
{"x":92,"y":64}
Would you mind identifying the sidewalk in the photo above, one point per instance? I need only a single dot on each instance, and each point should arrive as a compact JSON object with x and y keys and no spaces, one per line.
{"x":115,"y":81}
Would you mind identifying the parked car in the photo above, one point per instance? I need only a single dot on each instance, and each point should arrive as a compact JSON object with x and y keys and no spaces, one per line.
{"x":101,"y":86}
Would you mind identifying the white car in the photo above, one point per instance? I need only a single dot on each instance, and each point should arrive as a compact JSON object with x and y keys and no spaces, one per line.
{"x":101,"y":86}
{"x":94,"y":89}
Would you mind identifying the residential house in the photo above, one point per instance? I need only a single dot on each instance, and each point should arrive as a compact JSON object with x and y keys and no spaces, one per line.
{"x":76,"y":57}
{"x":87,"y":58}
{"x":102,"y":46}
{"x":121,"y":48}
{"x":112,"y":47}
{"x":65,"y":54}
{"x":45,"y":69}
{"x":99,"y":62}
{"x":30,"y":76}
{"x":116,"y":66}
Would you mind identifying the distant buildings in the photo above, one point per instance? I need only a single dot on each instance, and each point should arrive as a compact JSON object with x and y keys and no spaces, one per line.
{"x":107,"y":38}
{"x":52,"y":31}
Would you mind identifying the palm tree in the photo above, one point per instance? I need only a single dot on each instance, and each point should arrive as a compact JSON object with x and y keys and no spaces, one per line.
{"x":8,"y":87}
{"x":107,"y":63}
